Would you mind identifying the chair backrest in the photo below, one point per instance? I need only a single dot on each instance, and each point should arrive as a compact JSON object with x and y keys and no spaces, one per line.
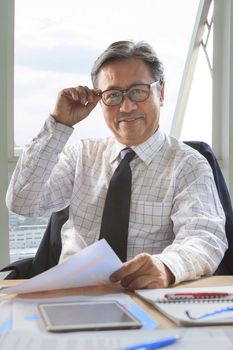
{"x":226,"y":265}
{"x":49,"y":249}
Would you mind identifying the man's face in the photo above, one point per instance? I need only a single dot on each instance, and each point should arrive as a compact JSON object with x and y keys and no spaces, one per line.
{"x":132,"y":123}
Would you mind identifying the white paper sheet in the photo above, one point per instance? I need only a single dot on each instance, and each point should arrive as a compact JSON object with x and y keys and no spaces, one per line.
{"x":91,"y":266}
{"x":1,"y":288}
{"x":5,"y":316}
{"x":191,"y":338}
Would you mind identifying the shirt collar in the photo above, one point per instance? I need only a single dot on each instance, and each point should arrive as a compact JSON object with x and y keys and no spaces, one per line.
{"x":116,"y":150}
{"x":145,"y":151}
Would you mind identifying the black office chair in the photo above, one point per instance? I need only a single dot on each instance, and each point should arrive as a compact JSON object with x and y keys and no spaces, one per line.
{"x":49,"y":249}
{"x":226,"y":265}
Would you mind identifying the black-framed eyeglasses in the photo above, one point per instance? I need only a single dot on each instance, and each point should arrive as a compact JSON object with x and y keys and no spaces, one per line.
{"x":136,"y":93}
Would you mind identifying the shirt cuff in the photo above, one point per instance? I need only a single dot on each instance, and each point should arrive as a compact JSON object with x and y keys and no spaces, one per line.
{"x":53,"y":136}
{"x":176,"y":265}
{"x":59,"y":127}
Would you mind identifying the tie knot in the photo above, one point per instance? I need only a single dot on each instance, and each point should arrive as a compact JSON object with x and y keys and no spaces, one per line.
{"x":128,"y":154}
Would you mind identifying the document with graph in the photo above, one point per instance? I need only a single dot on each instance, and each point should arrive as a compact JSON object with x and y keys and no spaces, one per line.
{"x":90,"y":266}
{"x":192,"y":306}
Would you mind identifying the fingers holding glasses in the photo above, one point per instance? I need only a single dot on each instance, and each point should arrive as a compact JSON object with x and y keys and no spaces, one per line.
{"x":74,"y":104}
{"x":82,"y":94}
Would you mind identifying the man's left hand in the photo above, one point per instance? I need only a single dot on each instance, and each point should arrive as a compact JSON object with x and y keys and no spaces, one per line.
{"x":143,"y":271}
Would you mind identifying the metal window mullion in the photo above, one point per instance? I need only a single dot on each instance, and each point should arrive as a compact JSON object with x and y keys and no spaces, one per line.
{"x":207,"y":59}
{"x":222,"y":130}
{"x":189,"y":68}
{"x":204,"y":45}
{"x":6,"y":115}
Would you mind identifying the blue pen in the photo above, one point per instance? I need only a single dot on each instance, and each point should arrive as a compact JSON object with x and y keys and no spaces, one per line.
{"x":152,"y":345}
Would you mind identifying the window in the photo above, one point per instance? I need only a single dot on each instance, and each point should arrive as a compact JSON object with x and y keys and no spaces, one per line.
{"x":56,"y":44}
{"x":197,"y":123}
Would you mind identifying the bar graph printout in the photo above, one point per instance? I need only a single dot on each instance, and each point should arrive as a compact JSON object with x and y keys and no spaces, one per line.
{"x":190,"y":338}
{"x":91,"y":266}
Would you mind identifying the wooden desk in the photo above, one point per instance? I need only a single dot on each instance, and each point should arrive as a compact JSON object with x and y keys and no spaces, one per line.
{"x":162,"y":320}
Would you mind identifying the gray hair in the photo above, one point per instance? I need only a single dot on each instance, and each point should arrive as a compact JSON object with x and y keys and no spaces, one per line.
{"x":128,"y":49}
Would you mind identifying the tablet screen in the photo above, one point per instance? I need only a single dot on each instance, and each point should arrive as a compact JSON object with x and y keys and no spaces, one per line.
{"x":87,"y":316}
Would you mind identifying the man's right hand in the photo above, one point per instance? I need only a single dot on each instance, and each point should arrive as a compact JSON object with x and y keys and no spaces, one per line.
{"x":75,"y":104}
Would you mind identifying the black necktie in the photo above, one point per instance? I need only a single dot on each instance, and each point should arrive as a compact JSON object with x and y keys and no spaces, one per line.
{"x":115,"y":220}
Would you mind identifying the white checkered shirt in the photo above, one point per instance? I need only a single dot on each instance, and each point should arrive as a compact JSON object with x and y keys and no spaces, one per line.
{"x":175,"y":210}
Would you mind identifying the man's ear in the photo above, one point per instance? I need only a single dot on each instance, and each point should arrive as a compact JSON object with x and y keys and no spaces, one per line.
{"x":162,"y":94}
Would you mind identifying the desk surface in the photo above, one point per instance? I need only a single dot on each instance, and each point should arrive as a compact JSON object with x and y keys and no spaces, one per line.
{"x":163,"y":321}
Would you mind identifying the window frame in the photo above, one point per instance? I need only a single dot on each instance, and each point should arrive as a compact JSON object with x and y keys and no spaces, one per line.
{"x":6,"y":115}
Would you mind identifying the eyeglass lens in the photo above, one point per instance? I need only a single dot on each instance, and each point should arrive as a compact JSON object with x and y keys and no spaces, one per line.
{"x":137,"y":93}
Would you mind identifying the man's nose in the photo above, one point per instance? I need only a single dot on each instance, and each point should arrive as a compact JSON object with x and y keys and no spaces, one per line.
{"x":127,"y":105}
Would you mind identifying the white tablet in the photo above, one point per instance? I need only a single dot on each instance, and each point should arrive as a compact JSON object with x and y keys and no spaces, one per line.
{"x":93,"y":315}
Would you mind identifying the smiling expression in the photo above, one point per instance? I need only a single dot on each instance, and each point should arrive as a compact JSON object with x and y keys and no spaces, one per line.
{"x":132,"y":123}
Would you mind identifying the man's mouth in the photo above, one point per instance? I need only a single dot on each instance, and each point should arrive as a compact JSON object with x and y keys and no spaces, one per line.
{"x":129,"y":119}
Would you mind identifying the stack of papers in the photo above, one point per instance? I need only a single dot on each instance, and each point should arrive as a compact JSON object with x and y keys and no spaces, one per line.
{"x":191,"y":339}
